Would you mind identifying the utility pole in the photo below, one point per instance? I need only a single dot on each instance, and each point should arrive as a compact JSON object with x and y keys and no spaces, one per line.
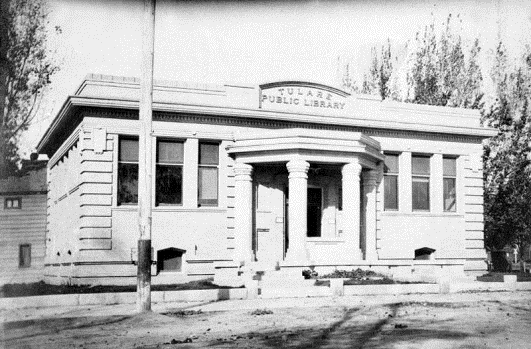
{"x":145,"y":173}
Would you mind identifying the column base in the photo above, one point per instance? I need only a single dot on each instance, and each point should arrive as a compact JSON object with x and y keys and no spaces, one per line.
{"x":298,"y":258}
{"x":353,"y":255}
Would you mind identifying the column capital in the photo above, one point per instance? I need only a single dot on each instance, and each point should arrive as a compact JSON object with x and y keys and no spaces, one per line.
{"x":352,"y":168}
{"x":370,"y":178}
{"x":298,"y":168}
{"x":243,"y":171}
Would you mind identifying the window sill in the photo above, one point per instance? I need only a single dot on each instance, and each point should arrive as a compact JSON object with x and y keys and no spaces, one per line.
{"x":169,"y":272}
{"x":422,"y":214}
{"x":188,"y":209}
{"x":324,"y":239}
{"x":172,"y":209}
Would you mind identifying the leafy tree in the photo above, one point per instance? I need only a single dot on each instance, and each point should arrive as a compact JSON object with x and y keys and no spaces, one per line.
{"x":433,"y":69}
{"x":27,"y":72}
{"x":376,"y":80}
{"x":507,"y":156}
{"x":349,"y":83}
{"x":438,"y":71}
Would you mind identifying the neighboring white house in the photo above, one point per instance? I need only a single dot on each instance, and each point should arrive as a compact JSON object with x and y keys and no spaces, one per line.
{"x":23,"y":224}
{"x":281,"y":176}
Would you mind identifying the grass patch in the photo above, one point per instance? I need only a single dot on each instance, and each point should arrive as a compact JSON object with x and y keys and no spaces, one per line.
{"x":42,"y":289}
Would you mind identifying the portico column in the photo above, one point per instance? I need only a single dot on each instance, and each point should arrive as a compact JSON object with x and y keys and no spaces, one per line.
{"x":370,"y":180}
{"x":298,"y":208}
{"x":351,"y":209}
{"x":243,"y":211}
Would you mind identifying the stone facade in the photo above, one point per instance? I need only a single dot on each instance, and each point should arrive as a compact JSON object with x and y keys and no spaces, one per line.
{"x":280,"y":176}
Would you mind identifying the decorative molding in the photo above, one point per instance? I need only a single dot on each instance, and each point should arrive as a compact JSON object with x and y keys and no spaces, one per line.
{"x":64,"y":148}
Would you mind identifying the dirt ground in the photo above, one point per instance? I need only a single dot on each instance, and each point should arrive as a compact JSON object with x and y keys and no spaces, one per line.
{"x":468,"y":320}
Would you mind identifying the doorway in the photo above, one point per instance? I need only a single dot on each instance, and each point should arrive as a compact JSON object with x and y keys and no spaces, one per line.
{"x":315,"y":209}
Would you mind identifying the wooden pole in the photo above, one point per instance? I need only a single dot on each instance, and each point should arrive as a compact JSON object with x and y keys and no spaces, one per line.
{"x":145,"y":173}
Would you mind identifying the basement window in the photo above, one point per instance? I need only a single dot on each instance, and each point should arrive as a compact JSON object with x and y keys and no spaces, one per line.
{"x":170,"y":259}
{"x":424,"y":253}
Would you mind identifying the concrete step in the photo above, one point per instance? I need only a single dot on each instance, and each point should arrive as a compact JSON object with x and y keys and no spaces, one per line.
{"x":278,"y":283}
{"x":283,"y":278}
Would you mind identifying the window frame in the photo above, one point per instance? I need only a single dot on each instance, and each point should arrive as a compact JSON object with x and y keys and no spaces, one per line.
{"x":424,"y":176}
{"x":13,"y":199}
{"x":169,"y":164}
{"x":454,"y":177}
{"x":21,"y":260}
{"x":392,"y":174}
{"x":120,"y":162}
{"x":200,"y":166}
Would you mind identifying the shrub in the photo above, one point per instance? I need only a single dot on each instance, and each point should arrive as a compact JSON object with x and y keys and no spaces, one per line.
{"x":357,"y":274}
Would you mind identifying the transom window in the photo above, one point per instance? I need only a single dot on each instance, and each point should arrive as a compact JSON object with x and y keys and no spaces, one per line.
{"x":449,"y":183}
{"x":208,"y":174}
{"x":391,"y":182}
{"x":13,"y":203}
{"x":169,"y":173}
{"x":128,"y":171}
{"x":420,"y":169}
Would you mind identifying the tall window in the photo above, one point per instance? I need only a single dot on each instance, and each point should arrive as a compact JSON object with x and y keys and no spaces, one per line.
{"x":24,"y":256}
{"x":208,"y":174}
{"x":128,"y":171}
{"x":449,"y":180}
{"x":169,"y":173}
{"x":420,"y":166}
{"x":391,"y":182}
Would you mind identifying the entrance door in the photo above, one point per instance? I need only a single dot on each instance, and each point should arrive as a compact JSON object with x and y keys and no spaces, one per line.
{"x":270,"y":220}
{"x":315,"y":209}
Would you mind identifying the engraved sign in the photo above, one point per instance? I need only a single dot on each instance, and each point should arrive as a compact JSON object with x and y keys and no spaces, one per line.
{"x":301,"y":95}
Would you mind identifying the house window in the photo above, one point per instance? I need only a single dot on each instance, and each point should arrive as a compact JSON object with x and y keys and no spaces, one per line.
{"x":391,"y":182}
{"x":208,"y":174}
{"x":24,"y":256}
{"x":449,"y":183}
{"x":128,"y":171}
{"x":169,"y":173}
{"x":420,"y":166}
{"x":13,"y":203}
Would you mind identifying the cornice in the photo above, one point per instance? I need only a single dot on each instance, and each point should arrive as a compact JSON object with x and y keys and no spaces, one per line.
{"x":125,"y":108}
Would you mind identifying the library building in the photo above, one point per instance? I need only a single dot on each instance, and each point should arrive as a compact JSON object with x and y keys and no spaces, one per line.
{"x":280,"y":178}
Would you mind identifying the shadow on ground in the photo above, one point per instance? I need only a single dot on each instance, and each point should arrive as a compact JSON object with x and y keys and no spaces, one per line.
{"x":350,"y":333}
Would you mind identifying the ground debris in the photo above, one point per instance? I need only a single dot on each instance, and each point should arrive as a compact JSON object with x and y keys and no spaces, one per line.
{"x":264,"y":311}
{"x":400,"y":326}
{"x":175,"y":341}
{"x":181,"y":313}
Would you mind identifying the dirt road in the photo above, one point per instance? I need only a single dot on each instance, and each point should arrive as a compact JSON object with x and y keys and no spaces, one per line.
{"x":470,"y":320}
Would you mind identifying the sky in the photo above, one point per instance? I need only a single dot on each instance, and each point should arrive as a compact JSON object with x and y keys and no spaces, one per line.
{"x":252,"y":42}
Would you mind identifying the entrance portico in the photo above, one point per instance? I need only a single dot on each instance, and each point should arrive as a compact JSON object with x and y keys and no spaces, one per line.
{"x":275,"y":171}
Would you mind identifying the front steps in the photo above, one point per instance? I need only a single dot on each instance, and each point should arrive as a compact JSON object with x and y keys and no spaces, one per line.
{"x":260,"y":275}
